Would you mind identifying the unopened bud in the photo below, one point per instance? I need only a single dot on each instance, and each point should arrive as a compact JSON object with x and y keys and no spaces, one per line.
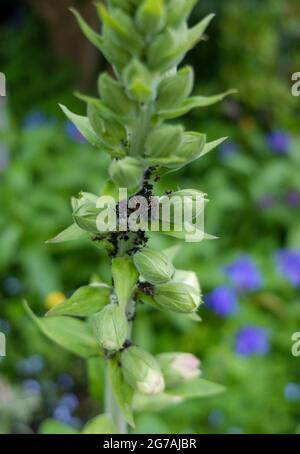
{"x":174,"y":90}
{"x":164,"y":141}
{"x":138,"y":82}
{"x":151,"y":16}
{"x":142,"y":371}
{"x":177,"y":297}
{"x":111,"y":327}
{"x":126,"y":173}
{"x":179,"y":367}
{"x":154,"y":266}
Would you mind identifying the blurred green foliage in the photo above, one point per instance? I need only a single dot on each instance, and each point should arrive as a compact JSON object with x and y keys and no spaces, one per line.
{"x":254,"y":187}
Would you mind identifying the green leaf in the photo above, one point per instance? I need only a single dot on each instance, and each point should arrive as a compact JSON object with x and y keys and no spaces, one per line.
{"x":143,"y":403}
{"x":125,"y":277}
{"x":84,"y":302}
{"x":209,"y":146}
{"x":84,"y":127}
{"x":72,"y":334}
{"x":73,"y":232}
{"x":100,"y":425}
{"x":193,"y":103}
{"x":90,"y":34}
{"x":123,"y":393}
{"x":196,"y":388}
{"x":53,"y":427}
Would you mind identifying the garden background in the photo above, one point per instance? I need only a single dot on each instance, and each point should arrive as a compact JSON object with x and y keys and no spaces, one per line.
{"x":250,"y":276}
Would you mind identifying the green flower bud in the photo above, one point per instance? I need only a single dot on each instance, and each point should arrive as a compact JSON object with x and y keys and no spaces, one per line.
{"x":179,"y":367}
{"x":174,"y":90}
{"x":113,"y":95}
{"x":177,"y":297}
{"x":127,"y":172}
{"x":154,"y":266}
{"x":121,"y":28}
{"x":126,"y":5}
{"x":111,"y":327}
{"x":189,"y":200}
{"x":151,"y":16}
{"x":110,"y":131}
{"x":192,"y":145}
{"x":141,"y":370}
{"x":113,"y":53}
{"x":165,"y":51}
{"x":138,"y":82}
{"x":85,"y":217}
{"x":179,"y":11}
{"x":163,"y":141}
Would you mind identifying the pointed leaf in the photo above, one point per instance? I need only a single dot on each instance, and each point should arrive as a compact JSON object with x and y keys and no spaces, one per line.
{"x":90,"y":34}
{"x":84,"y":302}
{"x":193,"y":103}
{"x":84,"y":127}
{"x":196,"y":388}
{"x":73,"y":232}
{"x":71,"y":334}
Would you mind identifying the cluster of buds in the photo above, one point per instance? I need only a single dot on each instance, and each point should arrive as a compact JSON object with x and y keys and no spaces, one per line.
{"x":131,"y":120}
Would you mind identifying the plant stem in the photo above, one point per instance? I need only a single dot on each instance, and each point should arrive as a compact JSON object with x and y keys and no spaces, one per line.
{"x":112,"y":409}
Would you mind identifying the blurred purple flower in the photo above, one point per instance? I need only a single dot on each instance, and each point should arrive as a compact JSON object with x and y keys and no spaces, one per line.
{"x":244,"y":274}
{"x":62,"y":414}
{"x":32,"y":386}
{"x":216,"y":418}
{"x":228,"y":149}
{"x":34,"y":120}
{"x":73,"y":132}
{"x":32,"y":365}
{"x":279,"y":141}
{"x":293,"y":198}
{"x":265,"y":202}
{"x":222,"y":300}
{"x":288,"y":264}
{"x":69,"y":400}
{"x":13,"y":286}
{"x":252,"y":340}
{"x":292,"y":392}
{"x":65,"y":381}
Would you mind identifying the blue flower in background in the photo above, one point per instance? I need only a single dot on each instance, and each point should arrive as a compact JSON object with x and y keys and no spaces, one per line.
{"x":265,"y":202}
{"x":292,"y":392}
{"x":244,"y":274}
{"x":32,"y":386}
{"x":73,"y":132}
{"x":252,"y":340}
{"x":228,"y":149}
{"x":34,"y":120}
{"x":222,"y":301}
{"x":288,"y":264}
{"x":279,"y":141}
{"x":293,"y":198}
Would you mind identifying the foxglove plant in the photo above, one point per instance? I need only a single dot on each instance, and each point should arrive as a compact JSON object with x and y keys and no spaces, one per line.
{"x":144,"y":41}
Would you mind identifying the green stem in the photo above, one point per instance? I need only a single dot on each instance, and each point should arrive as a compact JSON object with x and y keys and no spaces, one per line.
{"x":112,"y":409}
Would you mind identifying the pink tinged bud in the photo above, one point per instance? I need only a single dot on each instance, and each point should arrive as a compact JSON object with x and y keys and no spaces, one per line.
{"x":179,"y":367}
{"x":187,"y":365}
